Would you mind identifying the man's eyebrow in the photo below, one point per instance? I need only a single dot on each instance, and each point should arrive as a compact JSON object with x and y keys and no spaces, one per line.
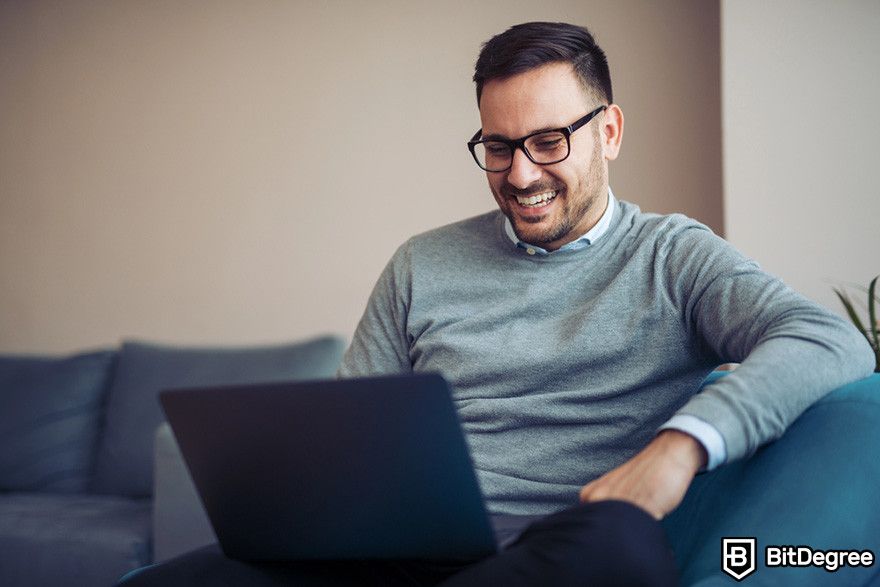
{"x":496,"y":136}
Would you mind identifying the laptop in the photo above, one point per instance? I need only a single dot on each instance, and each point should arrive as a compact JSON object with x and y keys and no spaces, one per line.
{"x":372,"y":468}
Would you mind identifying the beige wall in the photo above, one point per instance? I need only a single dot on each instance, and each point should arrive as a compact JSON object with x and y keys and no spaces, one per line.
{"x":802,"y":139}
{"x":238,"y":172}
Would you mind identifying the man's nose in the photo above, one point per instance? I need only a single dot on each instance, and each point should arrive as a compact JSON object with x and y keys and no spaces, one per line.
{"x":522,"y":172}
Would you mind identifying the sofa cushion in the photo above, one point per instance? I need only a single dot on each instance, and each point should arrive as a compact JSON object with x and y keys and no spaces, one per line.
{"x":50,"y":420}
{"x":125,"y":460}
{"x":71,"y":539}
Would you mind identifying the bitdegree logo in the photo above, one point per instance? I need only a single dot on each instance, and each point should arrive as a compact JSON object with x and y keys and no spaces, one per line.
{"x":738,"y":557}
{"x":805,"y":556}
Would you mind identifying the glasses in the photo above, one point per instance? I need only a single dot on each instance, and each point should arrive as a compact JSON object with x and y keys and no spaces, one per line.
{"x":544,"y":147}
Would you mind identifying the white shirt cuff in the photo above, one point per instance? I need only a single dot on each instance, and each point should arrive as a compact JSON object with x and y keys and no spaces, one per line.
{"x":705,"y":433}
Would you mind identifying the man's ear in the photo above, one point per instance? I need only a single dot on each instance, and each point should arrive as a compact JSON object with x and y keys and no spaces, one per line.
{"x":612,"y":132}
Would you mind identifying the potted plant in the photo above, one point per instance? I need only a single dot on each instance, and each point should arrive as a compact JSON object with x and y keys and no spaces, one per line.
{"x":872,"y":332}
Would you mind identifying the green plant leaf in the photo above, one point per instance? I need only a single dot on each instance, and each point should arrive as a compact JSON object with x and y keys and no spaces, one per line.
{"x":864,"y":290}
{"x":872,"y":333}
{"x":872,"y":314}
{"x":853,"y":316}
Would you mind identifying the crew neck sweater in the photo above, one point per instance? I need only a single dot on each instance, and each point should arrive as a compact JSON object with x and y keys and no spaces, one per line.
{"x":703,"y":432}
{"x":564,"y":365}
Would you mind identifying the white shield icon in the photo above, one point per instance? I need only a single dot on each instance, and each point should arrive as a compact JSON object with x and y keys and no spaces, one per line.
{"x":738,"y":557}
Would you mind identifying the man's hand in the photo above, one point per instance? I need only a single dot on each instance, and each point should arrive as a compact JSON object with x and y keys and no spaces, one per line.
{"x":656,"y":479}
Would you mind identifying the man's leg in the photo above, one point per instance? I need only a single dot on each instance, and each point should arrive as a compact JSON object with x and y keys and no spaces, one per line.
{"x":209,"y":567}
{"x":601,"y":543}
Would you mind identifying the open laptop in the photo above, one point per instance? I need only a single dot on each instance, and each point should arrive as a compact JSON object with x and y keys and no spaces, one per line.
{"x":344,"y":469}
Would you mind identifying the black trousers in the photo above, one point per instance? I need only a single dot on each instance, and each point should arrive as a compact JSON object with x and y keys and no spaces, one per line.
{"x":601,"y":543}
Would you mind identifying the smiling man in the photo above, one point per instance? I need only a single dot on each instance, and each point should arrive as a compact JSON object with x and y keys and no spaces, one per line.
{"x":575,"y":331}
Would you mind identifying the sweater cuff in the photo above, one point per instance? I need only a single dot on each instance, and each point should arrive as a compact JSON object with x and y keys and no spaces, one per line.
{"x":705,"y":433}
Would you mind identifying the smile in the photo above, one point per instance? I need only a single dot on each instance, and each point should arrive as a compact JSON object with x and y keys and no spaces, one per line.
{"x":537,"y":200}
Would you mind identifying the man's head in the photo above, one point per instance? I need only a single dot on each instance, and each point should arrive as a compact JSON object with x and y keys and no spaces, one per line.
{"x":537,"y":77}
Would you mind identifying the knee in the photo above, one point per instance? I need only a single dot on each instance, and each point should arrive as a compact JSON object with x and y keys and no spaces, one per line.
{"x":130,"y":579}
{"x":183,"y":570}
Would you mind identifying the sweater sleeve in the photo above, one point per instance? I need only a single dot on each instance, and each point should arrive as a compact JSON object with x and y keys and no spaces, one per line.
{"x":380,"y":345}
{"x":792,"y":351}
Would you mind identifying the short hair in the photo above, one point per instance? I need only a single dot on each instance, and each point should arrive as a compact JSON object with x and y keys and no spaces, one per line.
{"x":529,"y":45}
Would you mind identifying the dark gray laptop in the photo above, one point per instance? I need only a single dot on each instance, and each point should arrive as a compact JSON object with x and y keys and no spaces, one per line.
{"x":344,"y":469}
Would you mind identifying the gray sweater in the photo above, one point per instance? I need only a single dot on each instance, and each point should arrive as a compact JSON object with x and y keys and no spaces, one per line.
{"x":563,"y":366}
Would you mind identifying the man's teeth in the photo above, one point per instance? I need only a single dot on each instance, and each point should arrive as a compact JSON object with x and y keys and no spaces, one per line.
{"x":537,"y":199}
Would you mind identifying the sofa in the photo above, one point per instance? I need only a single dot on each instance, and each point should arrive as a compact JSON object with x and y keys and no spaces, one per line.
{"x":817,"y":486}
{"x":92,"y":484}
{"x":76,"y":449}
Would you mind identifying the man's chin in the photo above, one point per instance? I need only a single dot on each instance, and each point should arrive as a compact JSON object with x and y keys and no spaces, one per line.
{"x":532,"y":232}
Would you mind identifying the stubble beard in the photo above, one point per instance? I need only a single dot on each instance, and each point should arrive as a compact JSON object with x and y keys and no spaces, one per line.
{"x":596,"y":183}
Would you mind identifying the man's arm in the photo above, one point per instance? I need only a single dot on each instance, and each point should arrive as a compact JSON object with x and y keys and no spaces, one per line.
{"x":380,"y":345}
{"x":792,"y":352}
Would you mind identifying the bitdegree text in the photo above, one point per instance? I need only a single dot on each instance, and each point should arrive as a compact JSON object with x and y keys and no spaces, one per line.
{"x":804,"y":556}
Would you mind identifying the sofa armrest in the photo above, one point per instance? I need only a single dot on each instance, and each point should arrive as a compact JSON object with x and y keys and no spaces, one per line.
{"x":815,"y":486}
{"x":180,"y":523}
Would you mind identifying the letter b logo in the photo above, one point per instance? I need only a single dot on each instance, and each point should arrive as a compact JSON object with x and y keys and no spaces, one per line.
{"x":738,"y":557}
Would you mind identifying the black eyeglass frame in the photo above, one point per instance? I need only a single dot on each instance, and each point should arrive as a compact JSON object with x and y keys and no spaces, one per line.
{"x":520,"y":143}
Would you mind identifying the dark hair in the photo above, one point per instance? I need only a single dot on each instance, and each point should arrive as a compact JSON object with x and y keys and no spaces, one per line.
{"x":532,"y":44}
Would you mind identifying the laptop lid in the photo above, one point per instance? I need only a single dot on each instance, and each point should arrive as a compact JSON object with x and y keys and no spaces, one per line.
{"x":355,"y":468}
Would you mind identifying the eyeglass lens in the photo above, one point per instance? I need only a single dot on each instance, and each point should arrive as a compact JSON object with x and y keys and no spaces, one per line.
{"x":544,"y":148}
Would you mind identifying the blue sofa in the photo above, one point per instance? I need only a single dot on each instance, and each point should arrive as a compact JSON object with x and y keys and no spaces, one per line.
{"x":76,"y":449}
{"x":77,"y":501}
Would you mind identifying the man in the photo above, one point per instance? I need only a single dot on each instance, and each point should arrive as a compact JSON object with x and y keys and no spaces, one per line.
{"x":575,"y":330}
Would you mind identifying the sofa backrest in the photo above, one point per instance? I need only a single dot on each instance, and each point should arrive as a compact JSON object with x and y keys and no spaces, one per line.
{"x":50,"y":412}
{"x":125,"y":453}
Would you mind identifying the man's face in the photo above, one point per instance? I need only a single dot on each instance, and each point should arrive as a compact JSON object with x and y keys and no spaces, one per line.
{"x":548,"y":97}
